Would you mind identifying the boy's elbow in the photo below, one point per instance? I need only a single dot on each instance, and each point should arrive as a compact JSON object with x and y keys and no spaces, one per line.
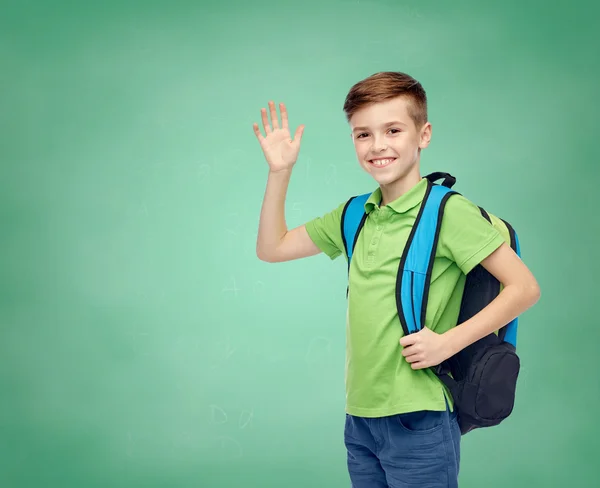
{"x":261,"y":256}
{"x":536,"y":292}
{"x":265,"y":257}
{"x":533,"y":291}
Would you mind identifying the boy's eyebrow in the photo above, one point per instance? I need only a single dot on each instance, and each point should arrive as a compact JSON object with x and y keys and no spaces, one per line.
{"x":394,"y":122}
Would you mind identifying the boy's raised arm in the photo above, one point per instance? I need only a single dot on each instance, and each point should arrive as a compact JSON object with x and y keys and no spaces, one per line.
{"x":275,"y":243}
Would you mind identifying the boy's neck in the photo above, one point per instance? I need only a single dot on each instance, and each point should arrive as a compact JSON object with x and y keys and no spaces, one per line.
{"x":396,"y":189}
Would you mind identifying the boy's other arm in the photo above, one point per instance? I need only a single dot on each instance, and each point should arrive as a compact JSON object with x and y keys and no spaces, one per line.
{"x":519,"y":293}
{"x":520,"y":290}
{"x":466,"y":226}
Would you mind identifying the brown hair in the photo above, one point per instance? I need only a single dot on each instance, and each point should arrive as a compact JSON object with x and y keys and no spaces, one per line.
{"x":386,"y":85}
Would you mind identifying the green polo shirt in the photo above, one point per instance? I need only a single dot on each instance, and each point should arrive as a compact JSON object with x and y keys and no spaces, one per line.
{"x":379,"y":380}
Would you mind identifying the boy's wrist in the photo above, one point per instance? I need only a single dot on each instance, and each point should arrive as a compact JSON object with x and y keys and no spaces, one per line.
{"x":281,"y":171}
{"x":453,"y":342}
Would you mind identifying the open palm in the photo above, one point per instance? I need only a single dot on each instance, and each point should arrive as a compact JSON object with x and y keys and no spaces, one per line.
{"x":281,"y":152}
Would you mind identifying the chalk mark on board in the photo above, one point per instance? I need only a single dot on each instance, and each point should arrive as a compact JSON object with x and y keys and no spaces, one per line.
{"x":229,"y":164}
{"x":135,"y":341}
{"x":204,"y":171}
{"x":308,"y":163}
{"x":331,"y":176}
{"x":183,"y":439}
{"x":235,"y":231}
{"x":228,"y":352}
{"x":235,"y":289}
{"x":297,"y":210}
{"x":413,"y":12}
{"x":230,"y":446}
{"x":259,"y":289}
{"x":218,"y":416}
{"x":246,"y":418}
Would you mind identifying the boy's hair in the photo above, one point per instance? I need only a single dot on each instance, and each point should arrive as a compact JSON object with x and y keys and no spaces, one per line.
{"x":386,"y":85}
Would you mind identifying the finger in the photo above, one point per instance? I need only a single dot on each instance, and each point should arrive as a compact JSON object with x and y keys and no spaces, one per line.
{"x":298,"y":134}
{"x":284,"y":116}
{"x":410,"y":351}
{"x":265,"y":120}
{"x":413,"y":358}
{"x":408,"y":340}
{"x":257,"y":132}
{"x":274,"y":119}
{"x":419,"y":365}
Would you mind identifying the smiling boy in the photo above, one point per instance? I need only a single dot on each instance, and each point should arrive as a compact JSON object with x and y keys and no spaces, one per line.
{"x":401,"y":428}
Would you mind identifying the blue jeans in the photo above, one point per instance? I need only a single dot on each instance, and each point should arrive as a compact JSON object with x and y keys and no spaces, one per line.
{"x":408,"y":450}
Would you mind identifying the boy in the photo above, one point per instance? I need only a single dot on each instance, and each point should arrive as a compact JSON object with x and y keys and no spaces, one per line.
{"x":401,"y":428}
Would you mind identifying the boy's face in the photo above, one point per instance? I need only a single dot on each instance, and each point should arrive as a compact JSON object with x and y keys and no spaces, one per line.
{"x":374,"y":138}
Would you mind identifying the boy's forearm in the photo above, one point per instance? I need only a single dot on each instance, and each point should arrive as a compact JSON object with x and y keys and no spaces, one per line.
{"x":512,"y":301}
{"x":272,"y":226}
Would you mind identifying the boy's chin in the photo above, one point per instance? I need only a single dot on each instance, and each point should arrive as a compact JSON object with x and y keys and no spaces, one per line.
{"x":384,"y":179}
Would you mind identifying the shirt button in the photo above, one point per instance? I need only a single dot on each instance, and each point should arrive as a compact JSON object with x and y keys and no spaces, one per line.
{"x":378,"y":227}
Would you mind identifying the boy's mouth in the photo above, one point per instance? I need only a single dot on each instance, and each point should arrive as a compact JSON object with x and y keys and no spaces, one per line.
{"x":381,"y":163}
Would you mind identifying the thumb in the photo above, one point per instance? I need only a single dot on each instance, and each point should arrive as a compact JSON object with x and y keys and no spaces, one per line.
{"x":298,"y":134}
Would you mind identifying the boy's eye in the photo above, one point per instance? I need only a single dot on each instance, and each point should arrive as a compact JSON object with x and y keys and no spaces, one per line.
{"x":364,"y":133}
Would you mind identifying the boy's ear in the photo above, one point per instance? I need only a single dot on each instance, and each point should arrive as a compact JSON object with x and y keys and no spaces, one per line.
{"x":425,"y":137}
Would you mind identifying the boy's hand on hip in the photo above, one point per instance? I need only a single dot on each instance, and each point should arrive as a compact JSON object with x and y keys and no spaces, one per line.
{"x":425,"y":348}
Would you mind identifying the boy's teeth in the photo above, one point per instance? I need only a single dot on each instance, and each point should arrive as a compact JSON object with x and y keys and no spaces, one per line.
{"x":381,"y":162}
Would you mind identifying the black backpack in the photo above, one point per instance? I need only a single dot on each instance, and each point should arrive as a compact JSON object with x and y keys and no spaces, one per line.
{"x":482,"y":377}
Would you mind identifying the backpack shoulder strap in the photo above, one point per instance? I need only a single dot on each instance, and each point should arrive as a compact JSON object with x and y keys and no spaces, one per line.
{"x":414,"y":271}
{"x":353,"y":217}
{"x":508,"y":333}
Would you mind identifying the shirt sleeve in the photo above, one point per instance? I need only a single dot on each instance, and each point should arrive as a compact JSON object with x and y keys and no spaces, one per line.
{"x":466,"y":236}
{"x":326,"y":232}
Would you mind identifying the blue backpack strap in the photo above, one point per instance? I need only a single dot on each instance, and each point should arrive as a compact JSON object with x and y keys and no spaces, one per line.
{"x":353,"y":218}
{"x":509,"y":332}
{"x":414,"y":271}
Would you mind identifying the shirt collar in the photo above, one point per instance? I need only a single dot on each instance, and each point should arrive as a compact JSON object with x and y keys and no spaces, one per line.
{"x":403,"y":203}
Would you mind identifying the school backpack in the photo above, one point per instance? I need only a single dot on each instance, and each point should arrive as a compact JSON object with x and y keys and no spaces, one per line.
{"x":482,"y":377}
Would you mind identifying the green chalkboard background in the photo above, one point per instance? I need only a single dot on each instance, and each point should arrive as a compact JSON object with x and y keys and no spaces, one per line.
{"x":143,"y":343}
